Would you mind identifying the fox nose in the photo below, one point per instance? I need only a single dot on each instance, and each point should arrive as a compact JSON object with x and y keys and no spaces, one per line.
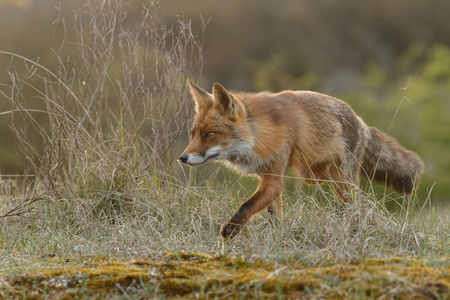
{"x":183,"y":158}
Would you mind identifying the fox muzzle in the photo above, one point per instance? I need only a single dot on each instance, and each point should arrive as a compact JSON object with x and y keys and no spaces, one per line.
{"x":183,"y":158}
{"x":200,"y":158}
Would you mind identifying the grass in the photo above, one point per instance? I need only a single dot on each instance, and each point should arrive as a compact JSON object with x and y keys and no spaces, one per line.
{"x":165,"y":244}
{"x":107,"y":211}
{"x":194,"y":276}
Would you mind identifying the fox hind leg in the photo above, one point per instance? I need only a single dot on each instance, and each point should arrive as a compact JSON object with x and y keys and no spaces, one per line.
{"x":343,"y":176}
{"x":345,"y":181}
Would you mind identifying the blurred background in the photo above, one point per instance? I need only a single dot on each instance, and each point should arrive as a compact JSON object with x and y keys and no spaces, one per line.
{"x":389,"y":59}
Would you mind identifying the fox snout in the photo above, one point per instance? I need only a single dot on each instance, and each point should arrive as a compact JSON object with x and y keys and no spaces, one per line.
{"x":183,"y":158}
{"x":193,"y":159}
{"x":200,"y":158}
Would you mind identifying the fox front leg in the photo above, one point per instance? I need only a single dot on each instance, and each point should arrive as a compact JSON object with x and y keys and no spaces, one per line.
{"x":269,"y":190}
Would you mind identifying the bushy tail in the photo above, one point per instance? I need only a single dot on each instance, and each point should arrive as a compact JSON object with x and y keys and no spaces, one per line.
{"x":385,"y":161}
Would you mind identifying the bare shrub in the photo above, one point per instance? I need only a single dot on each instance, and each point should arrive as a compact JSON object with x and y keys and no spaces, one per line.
{"x":113,"y":101}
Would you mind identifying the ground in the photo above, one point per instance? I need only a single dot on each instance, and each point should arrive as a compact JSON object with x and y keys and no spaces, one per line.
{"x":205,"y":276}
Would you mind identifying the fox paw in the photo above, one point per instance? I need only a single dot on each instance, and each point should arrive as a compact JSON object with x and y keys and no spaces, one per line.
{"x":230,"y":230}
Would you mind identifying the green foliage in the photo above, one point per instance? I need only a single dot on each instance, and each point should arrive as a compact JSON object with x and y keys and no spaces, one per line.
{"x":274,"y":74}
{"x":415,"y":110}
{"x":429,"y":92}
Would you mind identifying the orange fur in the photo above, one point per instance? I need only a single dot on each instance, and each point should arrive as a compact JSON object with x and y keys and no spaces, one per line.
{"x":318,"y":136}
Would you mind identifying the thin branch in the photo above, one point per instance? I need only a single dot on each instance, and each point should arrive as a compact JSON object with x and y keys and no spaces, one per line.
{"x":23,"y":208}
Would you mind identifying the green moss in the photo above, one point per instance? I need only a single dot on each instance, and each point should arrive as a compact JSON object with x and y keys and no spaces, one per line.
{"x":190,"y":276}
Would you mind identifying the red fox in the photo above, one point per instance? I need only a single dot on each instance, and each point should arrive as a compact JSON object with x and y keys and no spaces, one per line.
{"x":318,"y":136}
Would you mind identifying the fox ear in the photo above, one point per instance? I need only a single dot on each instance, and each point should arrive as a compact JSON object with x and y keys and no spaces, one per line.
{"x":226,"y":103}
{"x":201,"y":97}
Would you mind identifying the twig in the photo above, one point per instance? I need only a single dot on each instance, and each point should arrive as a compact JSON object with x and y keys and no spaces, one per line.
{"x":23,"y":208}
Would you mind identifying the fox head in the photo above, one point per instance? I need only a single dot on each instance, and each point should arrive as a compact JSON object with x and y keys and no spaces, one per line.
{"x":219,"y":128}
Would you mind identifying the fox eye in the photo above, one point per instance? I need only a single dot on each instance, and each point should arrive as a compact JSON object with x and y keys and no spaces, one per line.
{"x":209,"y":134}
